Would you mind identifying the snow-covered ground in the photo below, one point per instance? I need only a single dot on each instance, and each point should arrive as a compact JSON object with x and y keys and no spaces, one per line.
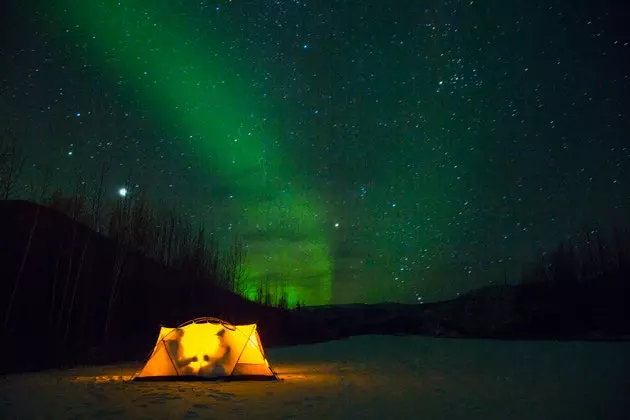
{"x":365,"y":377}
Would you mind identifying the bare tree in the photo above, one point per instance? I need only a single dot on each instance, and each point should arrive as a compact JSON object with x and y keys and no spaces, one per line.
{"x":164,"y":234}
{"x":168,"y":240}
{"x":197,"y":261}
{"x":20,"y":272}
{"x":54,"y":287}
{"x":46,"y":175}
{"x":11,"y":165}
{"x":142,"y":226}
{"x":75,"y":287}
{"x":283,"y":300}
{"x":122,"y":216}
{"x":97,"y":199}
{"x":260,"y":292}
{"x":76,"y":209}
{"x":232,"y":274}
{"x":182,"y":243}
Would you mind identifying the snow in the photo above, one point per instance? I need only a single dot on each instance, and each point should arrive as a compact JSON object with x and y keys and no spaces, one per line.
{"x":364,"y":377}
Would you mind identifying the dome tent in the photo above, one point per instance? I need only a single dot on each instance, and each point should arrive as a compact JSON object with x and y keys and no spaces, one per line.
{"x":207,"y":349}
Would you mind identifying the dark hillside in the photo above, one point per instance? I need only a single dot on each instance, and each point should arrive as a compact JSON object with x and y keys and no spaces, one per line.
{"x":56,"y":280}
{"x":577,"y":291}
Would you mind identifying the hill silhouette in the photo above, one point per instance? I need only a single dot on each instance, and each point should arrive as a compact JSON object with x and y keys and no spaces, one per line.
{"x":577,"y":291}
{"x":57,"y":277}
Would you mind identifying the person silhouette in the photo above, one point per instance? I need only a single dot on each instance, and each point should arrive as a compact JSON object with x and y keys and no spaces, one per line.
{"x":215,"y":366}
{"x":176,"y":351}
{"x":223,"y":352}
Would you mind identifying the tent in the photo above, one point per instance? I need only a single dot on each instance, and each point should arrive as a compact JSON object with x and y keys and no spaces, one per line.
{"x":207,"y":349}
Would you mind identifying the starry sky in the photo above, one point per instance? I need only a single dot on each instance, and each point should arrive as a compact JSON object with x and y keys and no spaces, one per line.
{"x":365,"y":151}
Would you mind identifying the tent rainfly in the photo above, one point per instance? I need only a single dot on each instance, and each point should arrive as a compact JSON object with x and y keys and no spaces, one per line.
{"x":207,"y":349}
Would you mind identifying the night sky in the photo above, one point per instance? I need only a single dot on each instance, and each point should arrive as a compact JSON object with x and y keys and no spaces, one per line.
{"x":365,"y":151}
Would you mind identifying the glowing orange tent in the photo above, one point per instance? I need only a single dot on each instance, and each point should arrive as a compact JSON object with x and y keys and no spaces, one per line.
{"x":206,"y":349}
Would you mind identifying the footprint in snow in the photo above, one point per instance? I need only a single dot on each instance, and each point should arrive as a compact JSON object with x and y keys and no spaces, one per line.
{"x":162,"y":398}
{"x":220,"y":396}
{"x":238,"y":410}
{"x":308,"y":401}
{"x":191,"y":415}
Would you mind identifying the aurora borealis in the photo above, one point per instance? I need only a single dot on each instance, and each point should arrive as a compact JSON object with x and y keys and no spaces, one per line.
{"x":364,"y":151}
{"x":212,"y":103}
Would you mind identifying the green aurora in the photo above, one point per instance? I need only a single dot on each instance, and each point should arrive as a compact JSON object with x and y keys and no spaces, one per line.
{"x":363,"y":151}
{"x":207,"y":99}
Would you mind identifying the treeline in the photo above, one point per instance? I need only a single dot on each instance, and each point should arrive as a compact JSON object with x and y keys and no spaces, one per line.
{"x":11,"y":164}
{"x":134,"y":223}
{"x":595,"y":255}
{"x":579,"y":289}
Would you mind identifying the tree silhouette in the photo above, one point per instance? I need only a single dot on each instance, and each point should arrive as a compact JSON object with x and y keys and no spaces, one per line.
{"x":11,"y":164}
